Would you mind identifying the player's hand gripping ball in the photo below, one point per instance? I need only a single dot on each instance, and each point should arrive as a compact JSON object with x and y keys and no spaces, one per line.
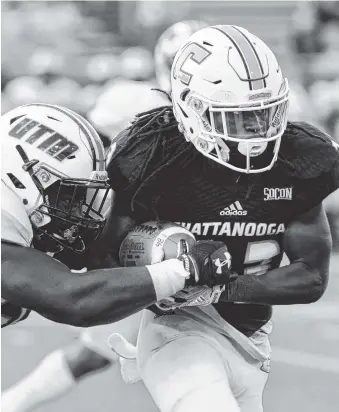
{"x":153,"y":242}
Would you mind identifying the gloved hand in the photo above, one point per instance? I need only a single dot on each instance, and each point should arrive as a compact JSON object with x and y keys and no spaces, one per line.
{"x":191,"y":296}
{"x":208,"y":263}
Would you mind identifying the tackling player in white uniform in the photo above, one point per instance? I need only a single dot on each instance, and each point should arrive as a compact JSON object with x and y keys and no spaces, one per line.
{"x":114,"y":110}
{"x":54,"y":193}
{"x":55,"y":196}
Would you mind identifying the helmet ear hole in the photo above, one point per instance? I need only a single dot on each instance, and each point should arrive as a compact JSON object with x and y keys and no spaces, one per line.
{"x":184,"y":94}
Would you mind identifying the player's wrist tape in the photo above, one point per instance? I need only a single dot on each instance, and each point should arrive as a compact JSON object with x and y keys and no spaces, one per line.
{"x":168,"y":277}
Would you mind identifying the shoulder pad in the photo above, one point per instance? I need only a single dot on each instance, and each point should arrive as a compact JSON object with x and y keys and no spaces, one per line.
{"x":15,"y":224}
{"x":125,"y":159}
{"x":139,"y":151}
{"x":309,"y":151}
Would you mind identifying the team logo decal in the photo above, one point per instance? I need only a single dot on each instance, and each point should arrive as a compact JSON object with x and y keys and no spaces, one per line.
{"x":221,"y":263}
{"x":44,"y":138}
{"x":278,"y":193}
{"x":234,"y":209}
{"x":193,"y":52}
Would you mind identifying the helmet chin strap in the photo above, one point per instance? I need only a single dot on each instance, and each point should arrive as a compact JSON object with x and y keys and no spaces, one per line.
{"x":253,"y":149}
{"x":56,"y":242}
{"x":70,"y":234}
{"x":28,"y":166}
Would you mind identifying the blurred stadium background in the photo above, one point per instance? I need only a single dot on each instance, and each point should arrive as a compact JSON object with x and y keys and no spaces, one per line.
{"x":70,"y":53}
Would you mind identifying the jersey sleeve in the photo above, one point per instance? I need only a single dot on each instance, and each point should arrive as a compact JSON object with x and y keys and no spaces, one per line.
{"x":320,"y":188}
{"x":326,"y":159}
{"x":314,"y":157}
{"x":15,"y":224}
{"x":143,"y":159}
{"x":119,"y":167}
{"x":309,"y":150}
{"x":125,"y":162}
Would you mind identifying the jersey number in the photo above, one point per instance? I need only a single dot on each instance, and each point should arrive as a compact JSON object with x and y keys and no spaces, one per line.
{"x":193,"y":52}
{"x":259,"y":256}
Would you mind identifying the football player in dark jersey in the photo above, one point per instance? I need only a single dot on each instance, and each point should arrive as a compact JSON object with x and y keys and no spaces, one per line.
{"x":225,"y":163}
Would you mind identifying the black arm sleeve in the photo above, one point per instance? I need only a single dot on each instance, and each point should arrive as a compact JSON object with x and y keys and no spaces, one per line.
{"x":38,"y":282}
{"x":307,"y":243}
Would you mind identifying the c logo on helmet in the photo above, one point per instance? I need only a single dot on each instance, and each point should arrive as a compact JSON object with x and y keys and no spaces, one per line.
{"x":193,"y":51}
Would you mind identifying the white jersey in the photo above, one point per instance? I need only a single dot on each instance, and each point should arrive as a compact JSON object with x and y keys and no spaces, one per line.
{"x":15,"y":228}
{"x":15,"y":224}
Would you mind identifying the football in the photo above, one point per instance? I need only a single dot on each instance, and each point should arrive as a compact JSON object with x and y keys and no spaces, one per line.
{"x":152,"y":242}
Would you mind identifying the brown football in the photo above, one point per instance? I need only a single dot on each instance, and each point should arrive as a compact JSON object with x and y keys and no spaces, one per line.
{"x":148,"y":242}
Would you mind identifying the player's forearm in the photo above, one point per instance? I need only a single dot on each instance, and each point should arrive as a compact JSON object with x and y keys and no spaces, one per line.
{"x":104,"y":296}
{"x":296,"y":283}
{"x":108,"y":295}
{"x":35,"y":281}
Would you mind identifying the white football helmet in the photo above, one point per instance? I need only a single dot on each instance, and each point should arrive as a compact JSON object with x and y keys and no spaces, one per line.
{"x":230,"y":98}
{"x":54,"y":161}
{"x":168,"y":45}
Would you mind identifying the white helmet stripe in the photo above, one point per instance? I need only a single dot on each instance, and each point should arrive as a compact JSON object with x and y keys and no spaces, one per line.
{"x":256,"y":55}
{"x":248,"y":55}
{"x":97,"y":143}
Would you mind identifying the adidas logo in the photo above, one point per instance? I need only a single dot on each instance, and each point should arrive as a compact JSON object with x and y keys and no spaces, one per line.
{"x":234,"y":209}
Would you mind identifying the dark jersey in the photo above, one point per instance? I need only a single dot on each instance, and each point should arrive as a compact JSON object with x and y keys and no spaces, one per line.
{"x":249,"y":213}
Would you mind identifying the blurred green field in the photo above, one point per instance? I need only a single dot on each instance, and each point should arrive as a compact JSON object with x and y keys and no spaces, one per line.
{"x":305,"y":364}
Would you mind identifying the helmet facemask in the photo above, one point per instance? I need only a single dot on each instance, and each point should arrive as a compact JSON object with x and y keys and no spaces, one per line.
{"x":56,"y":168}
{"x":70,"y":210}
{"x":243,"y":137}
{"x":230,"y":97}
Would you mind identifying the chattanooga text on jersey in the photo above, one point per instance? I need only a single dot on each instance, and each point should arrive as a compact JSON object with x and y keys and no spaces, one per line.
{"x":233,"y":228}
